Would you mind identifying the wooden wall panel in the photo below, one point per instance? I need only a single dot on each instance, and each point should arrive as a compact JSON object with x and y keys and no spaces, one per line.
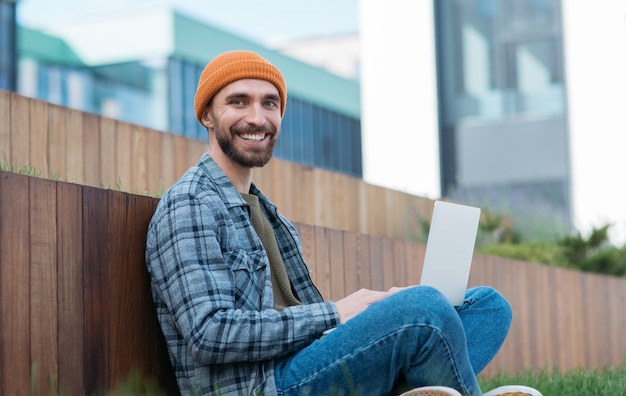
{"x":38,"y":155}
{"x":43,"y":286}
{"x":5,"y":126}
{"x":336,"y":261}
{"x":167,"y":162}
{"x":74,"y":147}
{"x":107,"y":157}
{"x":20,"y":135}
{"x":139,"y":160}
{"x":73,"y":255}
{"x":350,"y":264}
{"x":376,"y":263}
{"x":153,"y":161}
{"x":182,"y":158}
{"x":122,"y":159}
{"x":91,"y":149}
{"x":97,"y":151}
{"x":14,"y":285}
{"x":71,"y":334}
{"x":562,"y":317}
{"x":97,"y":310}
{"x":322,"y":262}
{"x":57,"y":136}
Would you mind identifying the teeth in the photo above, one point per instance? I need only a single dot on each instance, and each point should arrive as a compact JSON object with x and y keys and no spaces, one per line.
{"x":254,"y":138}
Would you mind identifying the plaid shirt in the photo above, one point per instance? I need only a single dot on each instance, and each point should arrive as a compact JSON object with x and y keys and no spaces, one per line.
{"x":212,"y":287}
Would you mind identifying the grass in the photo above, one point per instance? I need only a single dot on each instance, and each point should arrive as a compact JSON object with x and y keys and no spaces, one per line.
{"x":29,"y":170}
{"x":599,"y":382}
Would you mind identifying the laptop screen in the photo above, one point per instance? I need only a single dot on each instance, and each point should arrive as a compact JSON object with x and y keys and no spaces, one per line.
{"x":449,"y":249}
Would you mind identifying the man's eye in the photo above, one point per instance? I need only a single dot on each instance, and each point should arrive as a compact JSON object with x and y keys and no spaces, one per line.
{"x":237,"y":102}
{"x":270,"y":103}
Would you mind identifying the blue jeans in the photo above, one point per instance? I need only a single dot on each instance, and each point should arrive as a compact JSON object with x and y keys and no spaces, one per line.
{"x":414,"y":336}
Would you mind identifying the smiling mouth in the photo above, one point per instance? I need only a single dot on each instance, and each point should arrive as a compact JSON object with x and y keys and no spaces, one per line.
{"x":253,"y":137}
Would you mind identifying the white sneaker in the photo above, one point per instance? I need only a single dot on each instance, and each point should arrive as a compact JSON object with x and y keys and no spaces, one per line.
{"x":513,"y":390}
{"x":432,"y":391}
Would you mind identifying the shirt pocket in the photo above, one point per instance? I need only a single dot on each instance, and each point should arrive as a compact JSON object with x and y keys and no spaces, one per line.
{"x":248,"y":269}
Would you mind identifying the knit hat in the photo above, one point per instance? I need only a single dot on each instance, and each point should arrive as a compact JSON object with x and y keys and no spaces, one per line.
{"x":232,"y":66}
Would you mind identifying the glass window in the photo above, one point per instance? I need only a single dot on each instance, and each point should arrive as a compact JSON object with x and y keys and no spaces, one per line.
{"x":7,"y":46}
{"x":503,"y":58}
{"x":530,"y":14}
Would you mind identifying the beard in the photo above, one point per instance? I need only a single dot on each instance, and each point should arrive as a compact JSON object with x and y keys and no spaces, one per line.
{"x":254,"y":157}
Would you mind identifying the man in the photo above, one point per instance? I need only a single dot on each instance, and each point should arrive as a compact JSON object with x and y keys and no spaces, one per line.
{"x":238,"y":309}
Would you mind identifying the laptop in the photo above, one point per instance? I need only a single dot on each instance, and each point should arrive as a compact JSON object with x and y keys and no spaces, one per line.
{"x":449,"y":249}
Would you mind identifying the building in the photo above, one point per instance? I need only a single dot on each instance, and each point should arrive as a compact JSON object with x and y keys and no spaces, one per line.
{"x":484,"y":101}
{"x":8,"y":50}
{"x":141,"y":65}
{"x":511,"y":105}
{"x":528,"y":104}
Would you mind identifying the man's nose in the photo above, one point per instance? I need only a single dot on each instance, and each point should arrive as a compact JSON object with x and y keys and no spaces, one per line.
{"x":255,"y":114}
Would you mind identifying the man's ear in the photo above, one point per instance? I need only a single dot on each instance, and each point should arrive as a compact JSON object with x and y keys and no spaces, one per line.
{"x":207,"y":119}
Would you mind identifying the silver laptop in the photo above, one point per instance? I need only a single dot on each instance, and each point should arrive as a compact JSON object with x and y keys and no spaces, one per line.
{"x":450,"y":248}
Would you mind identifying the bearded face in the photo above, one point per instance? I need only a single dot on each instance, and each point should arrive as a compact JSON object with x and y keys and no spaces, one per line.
{"x":249,"y":146}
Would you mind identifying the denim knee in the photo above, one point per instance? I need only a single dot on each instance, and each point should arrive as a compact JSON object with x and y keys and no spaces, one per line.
{"x":488,"y":301}
{"x":419,"y":305}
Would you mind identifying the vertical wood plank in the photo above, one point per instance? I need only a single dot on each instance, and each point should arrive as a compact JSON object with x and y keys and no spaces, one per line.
{"x":74,"y":170}
{"x":616,"y":319}
{"x":181,"y":156}
{"x":153,"y":161}
{"x":125,"y":302}
{"x":57,"y":154}
{"x":14,"y":285}
{"x":96,"y":261}
{"x":195,"y":149}
{"x":615,"y":309}
{"x":322,"y":262}
{"x":71,"y":339}
{"x":364,"y":262}
{"x":123,"y":153}
{"x":354,"y":266}
{"x":399,"y":263}
{"x":388,"y":263}
{"x":576,"y":304}
{"x":512,"y":357}
{"x":166,"y":161}
{"x":38,"y":155}
{"x":337,"y":265}
{"x":139,"y":161}
{"x":91,"y":150}
{"x":5,"y":126}
{"x":376,"y":262}
{"x":43,"y":285}
{"x":562,"y":318}
{"x":20,"y":130}
{"x":107,"y":156}
{"x":307,"y":237}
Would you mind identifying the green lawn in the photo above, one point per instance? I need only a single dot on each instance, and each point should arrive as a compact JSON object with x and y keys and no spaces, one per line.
{"x":605,"y":382}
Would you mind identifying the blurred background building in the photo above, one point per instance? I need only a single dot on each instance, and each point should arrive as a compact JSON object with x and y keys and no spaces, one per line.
{"x":8,"y":45}
{"x":466,"y":99}
{"x":141,"y":65}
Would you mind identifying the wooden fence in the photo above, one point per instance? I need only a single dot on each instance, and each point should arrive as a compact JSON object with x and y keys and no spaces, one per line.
{"x":77,"y":318}
{"x":97,"y":151}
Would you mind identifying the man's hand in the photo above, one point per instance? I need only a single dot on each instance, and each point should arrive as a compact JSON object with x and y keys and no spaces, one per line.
{"x":356,"y":302}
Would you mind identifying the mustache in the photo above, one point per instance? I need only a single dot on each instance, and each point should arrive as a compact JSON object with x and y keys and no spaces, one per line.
{"x":251,"y":129}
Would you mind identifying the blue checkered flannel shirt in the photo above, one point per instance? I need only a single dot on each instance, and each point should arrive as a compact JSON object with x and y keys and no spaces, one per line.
{"x":212,"y":288}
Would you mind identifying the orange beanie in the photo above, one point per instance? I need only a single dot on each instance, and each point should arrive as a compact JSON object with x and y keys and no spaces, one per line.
{"x":232,"y":66}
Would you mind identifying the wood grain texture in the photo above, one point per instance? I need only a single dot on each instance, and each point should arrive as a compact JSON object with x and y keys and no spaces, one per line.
{"x":43,"y":285}
{"x":15,"y":324}
{"x":97,"y":310}
{"x":85,"y":246}
{"x":71,"y":341}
